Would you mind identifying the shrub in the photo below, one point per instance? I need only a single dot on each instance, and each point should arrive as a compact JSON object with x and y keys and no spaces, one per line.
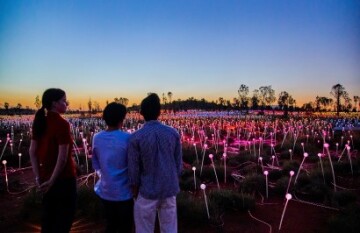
{"x":281,"y":185}
{"x":343,"y":198}
{"x":89,"y":204}
{"x":228,"y":200}
{"x":290,"y":166}
{"x":346,"y":221}
{"x":31,"y":206}
{"x":191,"y":210}
{"x":253,"y":183}
{"x":235,"y":161}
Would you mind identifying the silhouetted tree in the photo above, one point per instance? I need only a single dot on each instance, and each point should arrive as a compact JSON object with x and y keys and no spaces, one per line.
{"x":89,"y":105}
{"x":356,"y":100}
{"x":255,"y":99}
{"x":284,"y":100}
{"x":37,"y":102}
{"x":322,"y":101}
{"x":122,"y":100}
{"x":339,"y":92}
{"x":243,"y":91}
{"x":267,"y":96}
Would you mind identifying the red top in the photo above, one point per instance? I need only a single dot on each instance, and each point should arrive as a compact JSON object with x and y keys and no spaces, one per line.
{"x":57,"y":133}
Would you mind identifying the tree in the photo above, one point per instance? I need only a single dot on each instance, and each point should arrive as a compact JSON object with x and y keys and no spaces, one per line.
{"x":122,"y":100}
{"x":96,"y":106}
{"x":267,"y":95}
{"x":170,"y":94}
{"x":6,"y":105}
{"x":339,"y":92}
{"x":255,"y":99}
{"x":356,"y":100}
{"x":308,"y":107}
{"x":90,"y":105}
{"x":221,"y":101}
{"x":163,"y":98}
{"x":322,"y":101}
{"x":283,"y":101}
{"x":235,"y":102}
{"x":37,"y":102}
{"x":19,"y":106}
{"x":243,"y":91}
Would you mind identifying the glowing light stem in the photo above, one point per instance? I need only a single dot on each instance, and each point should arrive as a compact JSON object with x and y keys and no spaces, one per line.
{"x":12,"y":147}
{"x":211,"y":156}
{"x":224,"y":155}
{"x":349,"y":156}
{"x":288,"y":197}
{"x":321,"y":165}
{"x":266,"y":173}
{"x":303,"y":147}
{"x":302,"y":162}
{"x":284,"y":139}
{"x":261,"y":163}
{"x":288,"y":186}
{"x":86,"y":154}
{"x":6,"y":177}
{"x":331,"y":165}
{"x":337,"y":148}
{"x":342,"y":153}
{"x":254,"y":147}
{"x":202,"y":160}
{"x":76,"y":149}
{"x":19,"y":144}
{"x":197,"y":156}
{"x":203,"y":187}
{"x":2,"y":153}
{"x":194,"y":170}
{"x":295,"y":139}
{"x":19,"y":160}
{"x":342,"y":140}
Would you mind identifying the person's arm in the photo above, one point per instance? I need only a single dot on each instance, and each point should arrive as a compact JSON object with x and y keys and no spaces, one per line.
{"x":95,"y":159}
{"x":133,"y":167}
{"x":59,"y":167}
{"x":178,"y":156}
{"x":34,"y":161}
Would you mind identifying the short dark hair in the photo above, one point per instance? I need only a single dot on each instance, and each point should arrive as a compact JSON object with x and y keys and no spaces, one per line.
{"x":114,"y":113}
{"x":150,"y":107}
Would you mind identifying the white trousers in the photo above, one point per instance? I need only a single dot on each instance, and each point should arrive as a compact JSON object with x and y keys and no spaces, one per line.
{"x":145,"y":214}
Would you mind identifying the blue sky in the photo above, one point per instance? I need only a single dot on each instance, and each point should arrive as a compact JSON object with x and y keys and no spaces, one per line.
{"x":202,"y":49}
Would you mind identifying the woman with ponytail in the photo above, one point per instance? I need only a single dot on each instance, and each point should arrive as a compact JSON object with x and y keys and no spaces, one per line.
{"x":52,"y":162}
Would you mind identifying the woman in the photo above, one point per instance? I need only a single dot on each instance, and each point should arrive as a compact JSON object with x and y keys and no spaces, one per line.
{"x":110,"y":162}
{"x":52,"y":163}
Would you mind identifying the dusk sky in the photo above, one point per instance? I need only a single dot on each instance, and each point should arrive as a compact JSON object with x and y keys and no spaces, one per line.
{"x":202,"y":49}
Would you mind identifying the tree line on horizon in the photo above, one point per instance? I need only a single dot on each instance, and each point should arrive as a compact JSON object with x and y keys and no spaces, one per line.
{"x":263,"y":98}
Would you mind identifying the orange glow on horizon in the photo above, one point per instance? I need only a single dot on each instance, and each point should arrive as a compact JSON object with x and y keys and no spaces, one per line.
{"x":81,"y":101}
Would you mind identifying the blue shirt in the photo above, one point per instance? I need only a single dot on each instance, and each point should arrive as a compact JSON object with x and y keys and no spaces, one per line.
{"x":155,"y":160}
{"x":110,"y":157}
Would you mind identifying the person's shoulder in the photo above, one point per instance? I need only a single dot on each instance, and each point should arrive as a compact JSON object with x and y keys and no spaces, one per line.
{"x":123,"y":134}
{"x":170,"y":129}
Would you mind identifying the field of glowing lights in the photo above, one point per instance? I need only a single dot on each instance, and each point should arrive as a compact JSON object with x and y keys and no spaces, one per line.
{"x":242,"y":173}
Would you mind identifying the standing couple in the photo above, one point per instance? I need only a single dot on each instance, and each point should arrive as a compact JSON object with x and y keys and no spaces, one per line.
{"x":143,"y":167}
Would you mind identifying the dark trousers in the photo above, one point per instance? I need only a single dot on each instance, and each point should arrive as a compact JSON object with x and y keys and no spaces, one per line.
{"x":119,"y":215}
{"x":59,"y":206}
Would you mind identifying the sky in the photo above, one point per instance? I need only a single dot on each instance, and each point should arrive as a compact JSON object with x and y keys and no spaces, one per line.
{"x":99,"y":50}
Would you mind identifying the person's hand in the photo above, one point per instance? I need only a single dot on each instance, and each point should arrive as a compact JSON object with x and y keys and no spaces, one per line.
{"x":37,"y":181}
{"x":135,"y":192}
{"x":44,"y":187}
